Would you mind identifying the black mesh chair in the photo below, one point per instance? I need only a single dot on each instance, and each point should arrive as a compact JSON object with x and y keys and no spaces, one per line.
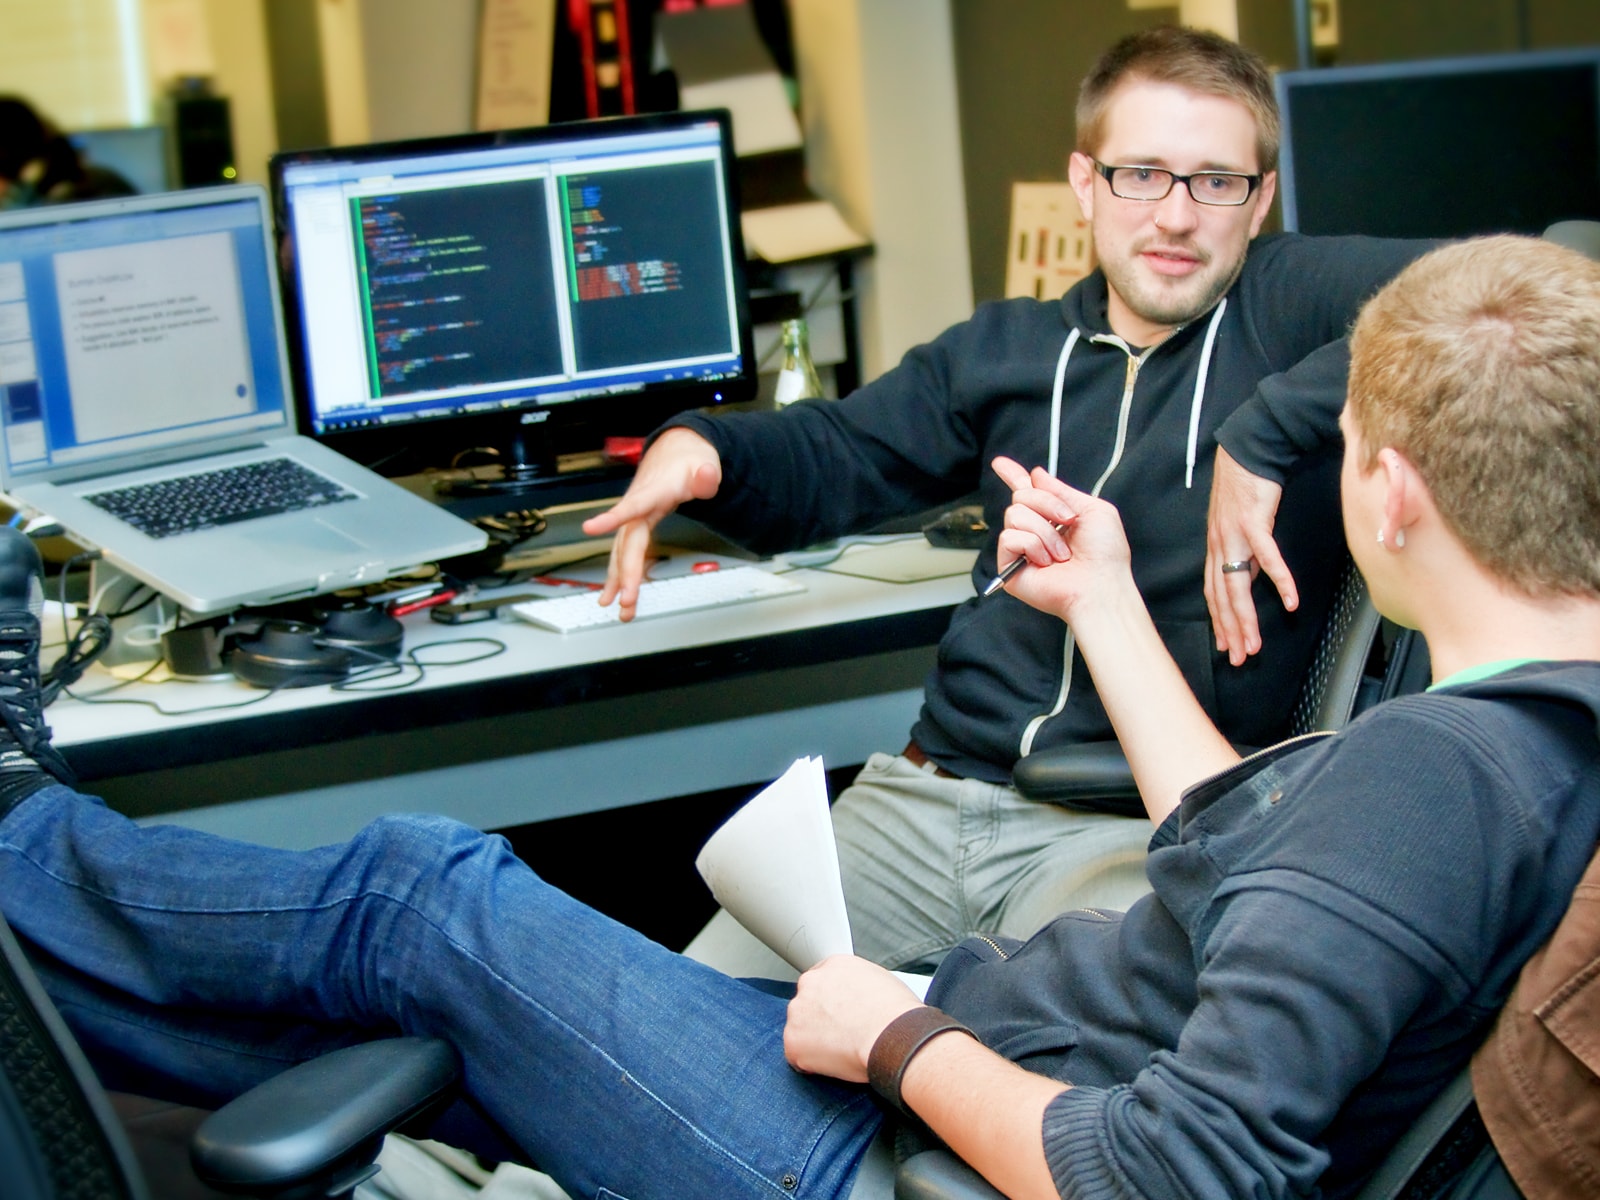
{"x":314,"y":1130}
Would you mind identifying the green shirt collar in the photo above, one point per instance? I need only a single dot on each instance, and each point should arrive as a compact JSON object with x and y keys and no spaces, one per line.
{"x":1482,"y":671}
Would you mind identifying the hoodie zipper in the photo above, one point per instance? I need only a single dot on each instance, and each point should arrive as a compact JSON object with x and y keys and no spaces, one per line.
{"x":1130,"y":377}
{"x":993,"y":945}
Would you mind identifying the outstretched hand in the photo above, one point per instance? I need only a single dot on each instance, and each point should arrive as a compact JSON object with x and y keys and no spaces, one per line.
{"x":1074,"y":544}
{"x":679,"y":466}
{"x":1239,"y":529}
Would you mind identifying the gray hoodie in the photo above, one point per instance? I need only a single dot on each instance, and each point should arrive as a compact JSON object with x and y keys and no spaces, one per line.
{"x":1334,"y":923}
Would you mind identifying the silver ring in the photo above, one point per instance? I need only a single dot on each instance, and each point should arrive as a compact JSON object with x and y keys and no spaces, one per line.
{"x":1238,"y":564}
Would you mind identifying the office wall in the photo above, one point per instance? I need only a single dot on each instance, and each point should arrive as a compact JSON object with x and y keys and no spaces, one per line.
{"x":237,"y":31}
{"x":1017,"y":72}
{"x":1018,"y":66}
{"x":420,"y":58}
{"x":299,"y":97}
{"x":1383,"y":31}
{"x":883,"y":142}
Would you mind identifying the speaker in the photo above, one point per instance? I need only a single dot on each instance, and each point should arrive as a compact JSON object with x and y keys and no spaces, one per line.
{"x":357,"y":625}
{"x":276,"y":651}
{"x":202,"y":138}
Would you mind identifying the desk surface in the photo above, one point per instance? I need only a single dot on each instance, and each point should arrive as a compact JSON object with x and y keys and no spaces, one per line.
{"x":838,"y":617}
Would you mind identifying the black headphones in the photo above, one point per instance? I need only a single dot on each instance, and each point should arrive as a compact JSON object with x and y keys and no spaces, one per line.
{"x":275,"y":651}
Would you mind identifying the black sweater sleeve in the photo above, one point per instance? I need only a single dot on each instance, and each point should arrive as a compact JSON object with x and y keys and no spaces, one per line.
{"x":903,"y":443}
{"x":1294,"y":413}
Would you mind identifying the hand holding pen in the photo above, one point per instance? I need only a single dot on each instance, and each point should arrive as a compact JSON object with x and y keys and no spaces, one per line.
{"x":1019,"y":480}
{"x":1016,"y":564}
{"x":1049,"y":524}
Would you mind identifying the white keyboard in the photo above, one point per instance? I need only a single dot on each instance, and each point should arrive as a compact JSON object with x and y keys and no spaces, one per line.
{"x":659,"y":598}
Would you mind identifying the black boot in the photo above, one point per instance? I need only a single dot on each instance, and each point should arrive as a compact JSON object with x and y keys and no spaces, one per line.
{"x":27,"y":759}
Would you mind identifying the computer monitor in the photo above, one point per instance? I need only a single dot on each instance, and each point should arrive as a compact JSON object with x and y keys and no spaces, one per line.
{"x":534,"y":291}
{"x":1506,"y":143}
{"x":138,"y":153}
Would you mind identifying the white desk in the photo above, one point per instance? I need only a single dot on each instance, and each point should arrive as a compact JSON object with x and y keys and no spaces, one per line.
{"x":554,"y":725}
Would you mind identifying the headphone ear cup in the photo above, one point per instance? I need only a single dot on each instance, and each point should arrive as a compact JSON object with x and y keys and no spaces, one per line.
{"x":287,"y":654}
{"x":197,"y":651}
{"x":355,"y":624}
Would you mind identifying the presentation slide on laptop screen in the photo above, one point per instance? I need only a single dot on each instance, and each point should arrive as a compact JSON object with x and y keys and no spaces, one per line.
{"x":136,"y":331}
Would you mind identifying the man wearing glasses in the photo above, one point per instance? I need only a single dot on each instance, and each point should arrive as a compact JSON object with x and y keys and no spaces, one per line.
{"x":1191,"y":350}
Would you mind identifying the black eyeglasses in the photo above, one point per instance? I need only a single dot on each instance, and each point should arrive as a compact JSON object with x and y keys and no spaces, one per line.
{"x":1226,"y":188}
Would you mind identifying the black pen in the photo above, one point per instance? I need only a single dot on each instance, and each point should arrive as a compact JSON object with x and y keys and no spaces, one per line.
{"x":1015,"y":565}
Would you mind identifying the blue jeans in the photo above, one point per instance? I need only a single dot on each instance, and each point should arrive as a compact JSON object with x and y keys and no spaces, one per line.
{"x":194,"y":964}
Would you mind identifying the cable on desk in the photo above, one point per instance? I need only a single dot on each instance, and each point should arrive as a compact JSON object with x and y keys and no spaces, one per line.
{"x":96,"y":697}
{"x":369,"y":674}
{"x":80,"y":649}
{"x":389,"y":668}
{"x":92,"y":639}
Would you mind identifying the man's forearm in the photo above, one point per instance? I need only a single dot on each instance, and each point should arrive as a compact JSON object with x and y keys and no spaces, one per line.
{"x":989,"y":1111}
{"x":1168,"y":738}
{"x":1291,"y":415}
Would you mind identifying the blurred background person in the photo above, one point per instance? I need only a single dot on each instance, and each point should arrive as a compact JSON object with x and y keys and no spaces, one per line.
{"x":38,"y":165}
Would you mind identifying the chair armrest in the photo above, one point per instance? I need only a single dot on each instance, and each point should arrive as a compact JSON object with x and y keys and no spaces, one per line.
{"x":1093,"y":776}
{"x":323,"y":1120}
{"x":940,"y":1175}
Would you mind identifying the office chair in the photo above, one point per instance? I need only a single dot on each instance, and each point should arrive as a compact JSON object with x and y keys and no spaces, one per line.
{"x":314,"y":1130}
{"x":1360,"y":659}
{"x":1445,"y":1155}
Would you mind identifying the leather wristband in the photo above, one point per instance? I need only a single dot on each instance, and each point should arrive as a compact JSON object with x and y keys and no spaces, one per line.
{"x":899,"y":1043}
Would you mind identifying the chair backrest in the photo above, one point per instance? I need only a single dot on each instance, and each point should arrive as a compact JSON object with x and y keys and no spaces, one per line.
{"x":1445,"y":1155}
{"x":58,"y":1136}
{"x":1361,"y":658}
{"x":1333,"y":689}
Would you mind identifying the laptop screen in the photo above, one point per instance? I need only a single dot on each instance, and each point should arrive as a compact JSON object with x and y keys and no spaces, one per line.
{"x":133,"y":329}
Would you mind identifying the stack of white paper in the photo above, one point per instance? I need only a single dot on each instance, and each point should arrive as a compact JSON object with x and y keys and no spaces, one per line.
{"x":775,"y":867}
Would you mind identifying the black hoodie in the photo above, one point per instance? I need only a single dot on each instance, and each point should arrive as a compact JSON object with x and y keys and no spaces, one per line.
{"x":1048,"y":384}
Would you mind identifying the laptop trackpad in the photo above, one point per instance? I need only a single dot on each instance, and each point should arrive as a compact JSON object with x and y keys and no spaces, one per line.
{"x":314,"y":535}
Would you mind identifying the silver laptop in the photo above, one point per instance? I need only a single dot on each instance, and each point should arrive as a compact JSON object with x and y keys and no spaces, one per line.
{"x":142,"y":358}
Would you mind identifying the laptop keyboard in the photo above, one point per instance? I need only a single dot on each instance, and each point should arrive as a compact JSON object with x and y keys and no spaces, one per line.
{"x":221,"y":497}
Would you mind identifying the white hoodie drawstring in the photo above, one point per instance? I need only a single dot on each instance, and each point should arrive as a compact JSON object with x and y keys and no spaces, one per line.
{"x":1200,"y":391}
{"x":1055,"y":399}
{"x":1069,"y":648}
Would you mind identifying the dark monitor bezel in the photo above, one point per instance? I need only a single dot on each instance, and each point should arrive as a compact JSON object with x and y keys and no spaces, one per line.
{"x":571,"y":425}
{"x":1294,"y":86}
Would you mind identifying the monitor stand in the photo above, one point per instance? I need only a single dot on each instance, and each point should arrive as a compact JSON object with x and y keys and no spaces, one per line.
{"x":527,"y":458}
{"x":530,"y":474}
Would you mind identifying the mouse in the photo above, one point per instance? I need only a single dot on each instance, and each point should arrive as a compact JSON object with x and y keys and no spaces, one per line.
{"x":959,"y":529}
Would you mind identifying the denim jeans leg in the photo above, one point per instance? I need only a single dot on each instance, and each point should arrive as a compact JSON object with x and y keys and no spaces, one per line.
{"x":619,"y":1067}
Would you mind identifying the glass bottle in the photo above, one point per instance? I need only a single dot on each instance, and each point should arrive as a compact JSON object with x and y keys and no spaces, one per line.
{"x":797,"y":379}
